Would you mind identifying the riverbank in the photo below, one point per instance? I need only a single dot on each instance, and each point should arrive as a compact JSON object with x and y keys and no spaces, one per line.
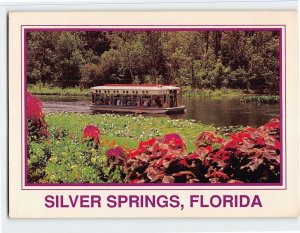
{"x":58,"y":91}
{"x":77,"y":91}
{"x":264,"y":99}
{"x":207,"y":93}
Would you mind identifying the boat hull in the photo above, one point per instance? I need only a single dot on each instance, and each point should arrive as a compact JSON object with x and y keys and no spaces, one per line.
{"x":137,"y":110}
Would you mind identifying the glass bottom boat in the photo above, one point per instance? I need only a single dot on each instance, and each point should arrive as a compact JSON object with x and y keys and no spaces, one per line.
{"x":150,"y":99}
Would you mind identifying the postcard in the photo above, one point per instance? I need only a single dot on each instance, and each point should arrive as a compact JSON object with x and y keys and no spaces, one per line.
{"x":153,"y":114}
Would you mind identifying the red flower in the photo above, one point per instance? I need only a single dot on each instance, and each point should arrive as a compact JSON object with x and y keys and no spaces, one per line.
{"x":135,"y":181}
{"x":174,"y":139}
{"x":33,"y":107}
{"x":143,"y":146}
{"x":92,"y":132}
{"x":134,"y":153}
{"x":209,"y":148}
{"x":273,"y":124}
{"x":207,"y":138}
{"x":183,"y":162}
{"x":116,"y":152}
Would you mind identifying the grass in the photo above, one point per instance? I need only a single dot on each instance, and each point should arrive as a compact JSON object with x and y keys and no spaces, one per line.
{"x":57,"y":91}
{"x":127,"y":130}
{"x":64,"y":157}
{"x":265,"y":99}
{"x":207,"y":93}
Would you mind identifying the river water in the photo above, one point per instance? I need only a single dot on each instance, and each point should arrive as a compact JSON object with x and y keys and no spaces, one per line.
{"x":218,"y":112}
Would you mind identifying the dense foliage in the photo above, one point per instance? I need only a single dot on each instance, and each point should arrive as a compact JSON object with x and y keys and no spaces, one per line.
{"x":199,"y":59}
{"x":79,"y":148}
{"x":37,"y":134}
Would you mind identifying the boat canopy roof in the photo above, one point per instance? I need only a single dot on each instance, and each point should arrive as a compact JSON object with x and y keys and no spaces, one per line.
{"x":135,"y":89}
{"x":142,"y":87}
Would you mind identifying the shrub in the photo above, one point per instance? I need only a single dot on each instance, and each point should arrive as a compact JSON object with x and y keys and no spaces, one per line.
{"x":37,"y":133}
{"x":251,"y":156}
{"x":92,"y":132}
{"x":36,"y":125}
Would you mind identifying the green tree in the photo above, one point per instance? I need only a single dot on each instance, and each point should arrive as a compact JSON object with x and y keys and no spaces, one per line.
{"x":69,"y":49}
{"x":40,"y":52}
{"x":245,"y":59}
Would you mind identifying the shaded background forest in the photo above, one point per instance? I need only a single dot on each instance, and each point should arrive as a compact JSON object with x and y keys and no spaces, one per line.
{"x":247,"y":60}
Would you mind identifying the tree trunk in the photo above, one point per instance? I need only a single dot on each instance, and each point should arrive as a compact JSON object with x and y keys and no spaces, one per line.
{"x":206,"y":40}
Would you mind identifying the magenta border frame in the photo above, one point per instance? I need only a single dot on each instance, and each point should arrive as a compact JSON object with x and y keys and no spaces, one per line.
{"x":101,"y":186}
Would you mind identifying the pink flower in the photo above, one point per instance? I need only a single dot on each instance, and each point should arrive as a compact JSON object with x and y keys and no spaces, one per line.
{"x":116,"y":152}
{"x":33,"y":107}
{"x":92,"y":132}
{"x":45,"y":132}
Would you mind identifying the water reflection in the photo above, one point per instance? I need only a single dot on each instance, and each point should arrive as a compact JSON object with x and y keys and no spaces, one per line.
{"x":218,"y":112}
{"x":227,"y":111}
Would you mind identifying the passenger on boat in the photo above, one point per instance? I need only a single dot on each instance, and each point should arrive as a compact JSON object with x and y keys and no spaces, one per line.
{"x":138,"y":103}
{"x":157,"y":102}
{"x":101,"y":101}
{"x":146,"y":103}
{"x":171,"y":102}
{"x":118,"y":102}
